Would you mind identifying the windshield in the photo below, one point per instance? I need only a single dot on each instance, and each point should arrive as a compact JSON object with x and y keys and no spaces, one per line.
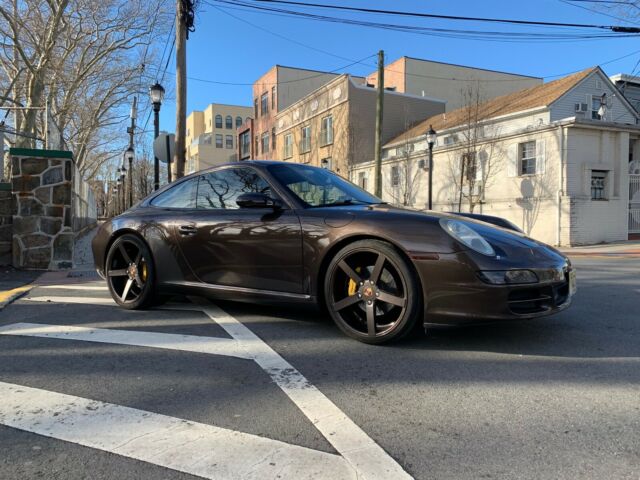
{"x":318,"y":187}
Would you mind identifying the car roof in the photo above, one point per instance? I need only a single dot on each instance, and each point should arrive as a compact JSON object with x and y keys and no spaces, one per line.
{"x":256,"y":163}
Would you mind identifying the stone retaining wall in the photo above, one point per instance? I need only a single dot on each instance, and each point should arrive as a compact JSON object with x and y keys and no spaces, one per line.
{"x":42,"y":216}
{"x":6,"y":217}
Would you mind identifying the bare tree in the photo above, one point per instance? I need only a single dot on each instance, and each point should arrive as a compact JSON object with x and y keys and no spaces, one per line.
{"x":474,"y":164}
{"x":85,"y":60}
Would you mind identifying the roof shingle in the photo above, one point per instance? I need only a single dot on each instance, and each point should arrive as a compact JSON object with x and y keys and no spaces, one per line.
{"x":532,"y":97}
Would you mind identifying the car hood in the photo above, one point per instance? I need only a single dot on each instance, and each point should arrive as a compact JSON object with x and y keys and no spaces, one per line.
{"x":507,"y":243}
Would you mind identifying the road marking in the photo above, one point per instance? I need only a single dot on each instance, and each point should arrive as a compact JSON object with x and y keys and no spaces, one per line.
{"x":8,"y":296}
{"x":365,"y":455}
{"x":84,"y":300}
{"x":75,"y":287}
{"x":178,"y":444}
{"x":168,"y":341}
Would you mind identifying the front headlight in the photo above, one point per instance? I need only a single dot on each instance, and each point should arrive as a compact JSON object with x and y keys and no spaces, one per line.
{"x":467,"y":236}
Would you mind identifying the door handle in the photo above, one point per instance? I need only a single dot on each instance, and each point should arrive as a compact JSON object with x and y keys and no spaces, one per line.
{"x":187,"y":230}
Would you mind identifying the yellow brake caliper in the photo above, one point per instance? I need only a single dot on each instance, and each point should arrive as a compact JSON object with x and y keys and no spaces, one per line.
{"x":143,"y":273}
{"x":353,"y":286}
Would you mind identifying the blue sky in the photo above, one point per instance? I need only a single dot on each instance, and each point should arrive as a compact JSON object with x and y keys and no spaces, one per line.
{"x":226,"y":49}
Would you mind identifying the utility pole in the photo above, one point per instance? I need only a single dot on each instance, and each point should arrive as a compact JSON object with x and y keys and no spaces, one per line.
{"x":184,"y":23}
{"x":131,"y":131}
{"x":379,"y":116}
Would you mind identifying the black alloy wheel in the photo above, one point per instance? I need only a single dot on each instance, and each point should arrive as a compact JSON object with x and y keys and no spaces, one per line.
{"x":372,"y":293}
{"x":130,"y":273}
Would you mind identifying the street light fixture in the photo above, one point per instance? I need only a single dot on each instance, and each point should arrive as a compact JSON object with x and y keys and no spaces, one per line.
{"x":431,"y":141}
{"x":156,"y":92}
{"x":129,"y":155}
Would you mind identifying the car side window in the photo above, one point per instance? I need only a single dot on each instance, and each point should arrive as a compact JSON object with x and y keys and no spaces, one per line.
{"x":182,"y":195}
{"x":220,"y":189}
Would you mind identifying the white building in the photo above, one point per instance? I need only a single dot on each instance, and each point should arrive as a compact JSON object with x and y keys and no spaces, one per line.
{"x":555,"y":159}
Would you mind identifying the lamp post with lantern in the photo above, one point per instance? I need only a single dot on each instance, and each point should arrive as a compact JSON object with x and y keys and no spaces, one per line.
{"x":156,"y":92}
{"x":431,"y":141}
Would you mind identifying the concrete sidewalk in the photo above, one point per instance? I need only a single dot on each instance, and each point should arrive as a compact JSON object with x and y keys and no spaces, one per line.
{"x":629,"y":248}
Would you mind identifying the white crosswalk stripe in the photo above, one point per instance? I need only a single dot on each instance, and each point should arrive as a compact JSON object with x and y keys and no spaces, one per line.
{"x":190,"y":447}
{"x":363,"y":455}
{"x":171,"y":341}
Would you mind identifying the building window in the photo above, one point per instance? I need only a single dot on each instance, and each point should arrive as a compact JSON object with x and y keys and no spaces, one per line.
{"x":256,"y":146}
{"x":326,"y":131}
{"x":228,"y":122}
{"x":218,"y":121}
{"x":305,"y":142}
{"x":264,"y":104}
{"x":395,"y":176}
{"x":245,"y":144}
{"x":326,"y":163}
{"x":527,"y":156}
{"x":362,"y":180}
{"x":228,"y":141}
{"x":255,"y":108}
{"x":264,"y":146}
{"x":599,"y":185}
{"x":273,"y":98}
{"x":273,"y":138}
{"x":596,"y":103}
{"x":288,"y":146}
{"x":218,"y":140}
{"x":247,"y":119}
{"x":238,"y":122}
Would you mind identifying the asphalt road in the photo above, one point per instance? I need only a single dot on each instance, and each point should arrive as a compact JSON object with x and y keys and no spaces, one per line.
{"x":552,"y":398}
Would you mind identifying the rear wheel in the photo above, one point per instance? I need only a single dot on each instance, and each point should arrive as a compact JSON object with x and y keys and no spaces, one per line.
{"x":372,"y":293}
{"x":130,"y":272}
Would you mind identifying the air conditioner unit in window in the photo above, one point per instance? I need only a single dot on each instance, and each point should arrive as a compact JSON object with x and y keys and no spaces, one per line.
{"x":581,"y":107}
{"x":422,"y":164}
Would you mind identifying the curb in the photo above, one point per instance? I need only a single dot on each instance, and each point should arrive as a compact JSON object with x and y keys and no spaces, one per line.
{"x":9,"y":296}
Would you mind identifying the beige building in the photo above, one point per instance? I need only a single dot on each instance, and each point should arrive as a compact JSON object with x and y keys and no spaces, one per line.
{"x":211,"y":135}
{"x":449,"y":82}
{"x":273,"y":92}
{"x":334,"y":126}
{"x":559,"y":160}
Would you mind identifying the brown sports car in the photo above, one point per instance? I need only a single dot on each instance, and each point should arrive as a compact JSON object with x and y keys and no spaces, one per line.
{"x":274,"y":231}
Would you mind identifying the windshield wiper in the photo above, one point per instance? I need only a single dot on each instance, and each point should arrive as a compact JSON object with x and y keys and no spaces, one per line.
{"x":349,"y":201}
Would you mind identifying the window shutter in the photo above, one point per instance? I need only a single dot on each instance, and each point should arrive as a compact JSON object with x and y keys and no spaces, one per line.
{"x":540,"y":157}
{"x":512,"y":160}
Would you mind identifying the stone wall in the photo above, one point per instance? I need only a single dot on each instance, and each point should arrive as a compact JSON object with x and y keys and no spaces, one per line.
{"x":6,"y":216}
{"x":42,"y":215}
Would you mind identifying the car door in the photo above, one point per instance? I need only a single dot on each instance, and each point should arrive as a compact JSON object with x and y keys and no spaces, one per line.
{"x":256,"y":248}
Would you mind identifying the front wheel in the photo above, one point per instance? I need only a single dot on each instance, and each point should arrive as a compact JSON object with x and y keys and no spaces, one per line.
{"x":130,"y":273}
{"x":372,"y":292}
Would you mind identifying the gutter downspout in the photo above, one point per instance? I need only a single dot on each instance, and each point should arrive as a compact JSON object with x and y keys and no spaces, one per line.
{"x":563,"y":158}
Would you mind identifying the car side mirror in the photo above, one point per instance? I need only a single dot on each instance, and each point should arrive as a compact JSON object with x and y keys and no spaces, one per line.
{"x":257,"y":200}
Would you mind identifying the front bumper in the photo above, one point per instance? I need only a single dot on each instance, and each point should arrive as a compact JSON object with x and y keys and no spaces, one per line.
{"x":454,"y":293}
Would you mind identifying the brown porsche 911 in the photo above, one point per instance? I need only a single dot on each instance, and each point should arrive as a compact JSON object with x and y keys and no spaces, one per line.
{"x":276,"y":231}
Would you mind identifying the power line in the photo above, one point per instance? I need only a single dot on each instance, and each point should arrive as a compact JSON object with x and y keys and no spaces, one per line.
{"x":571,"y":3}
{"x":279,"y":35}
{"x":481,"y":35}
{"x":443,"y":17}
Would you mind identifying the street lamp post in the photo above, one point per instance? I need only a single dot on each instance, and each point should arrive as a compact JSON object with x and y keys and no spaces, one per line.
{"x":156,"y":92}
{"x":129,"y":155}
{"x":431,"y":141}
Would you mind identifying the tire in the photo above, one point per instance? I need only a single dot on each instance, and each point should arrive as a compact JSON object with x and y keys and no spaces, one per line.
{"x":372,"y":293}
{"x":130,"y":273}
